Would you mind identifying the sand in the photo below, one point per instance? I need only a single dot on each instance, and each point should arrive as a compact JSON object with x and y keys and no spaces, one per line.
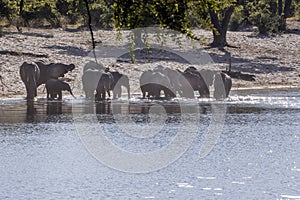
{"x":274,"y":60}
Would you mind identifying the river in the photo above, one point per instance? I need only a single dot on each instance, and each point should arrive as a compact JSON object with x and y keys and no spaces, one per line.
{"x":245,"y":147}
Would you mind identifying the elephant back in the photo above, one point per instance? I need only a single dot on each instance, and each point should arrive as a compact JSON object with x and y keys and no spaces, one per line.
{"x":30,"y":73}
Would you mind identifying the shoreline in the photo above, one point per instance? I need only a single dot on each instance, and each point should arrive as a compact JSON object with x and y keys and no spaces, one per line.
{"x":273,"y":60}
{"x":241,"y":89}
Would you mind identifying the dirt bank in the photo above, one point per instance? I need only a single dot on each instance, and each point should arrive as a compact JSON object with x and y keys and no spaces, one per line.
{"x":274,"y":61}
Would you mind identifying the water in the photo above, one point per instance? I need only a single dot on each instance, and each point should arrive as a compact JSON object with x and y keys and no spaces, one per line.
{"x":256,"y":155}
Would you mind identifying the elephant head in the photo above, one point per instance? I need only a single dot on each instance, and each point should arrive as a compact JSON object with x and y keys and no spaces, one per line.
{"x":30,"y":74}
{"x":222,"y":85}
{"x":104,"y":85}
{"x":93,"y":66}
{"x":53,"y":71}
{"x":195,"y":81}
{"x":55,"y":87}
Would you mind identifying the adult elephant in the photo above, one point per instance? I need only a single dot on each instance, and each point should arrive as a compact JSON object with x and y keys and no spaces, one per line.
{"x":201,"y":81}
{"x":173,"y":75}
{"x":52,"y":71}
{"x":55,"y":87}
{"x":104,"y":86}
{"x":222,"y":85}
{"x":195,"y":81}
{"x":93,"y":65}
{"x":30,"y":74}
{"x":119,"y":80}
{"x":90,"y":79}
{"x":153,"y":82}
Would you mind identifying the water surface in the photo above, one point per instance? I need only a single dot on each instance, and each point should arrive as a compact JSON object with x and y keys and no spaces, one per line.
{"x":255,"y":157}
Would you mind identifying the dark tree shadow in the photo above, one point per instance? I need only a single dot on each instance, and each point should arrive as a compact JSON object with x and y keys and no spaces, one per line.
{"x":69,"y":50}
{"x":151,"y":55}
{"x":32,"y":34}
{"x":250,"y":65}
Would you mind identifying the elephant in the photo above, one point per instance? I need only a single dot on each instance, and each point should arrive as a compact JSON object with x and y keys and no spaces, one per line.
{"x":190,"y":79}
{"x":30,"y":74}
{"x":90,"y":79}
{"x":119,"y":80}
{"x":93,"y":65}
{"x":200,"y":81}
{"x":52,"y":71}
{"x":222,"y":85}
{"x":153,"y":82}
{"x":104,"y":85}
{"x":173,"y":75}
{"x":55,"y":87}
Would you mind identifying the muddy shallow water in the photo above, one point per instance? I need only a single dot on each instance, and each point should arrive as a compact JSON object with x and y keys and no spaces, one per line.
{"x":255,"y":155}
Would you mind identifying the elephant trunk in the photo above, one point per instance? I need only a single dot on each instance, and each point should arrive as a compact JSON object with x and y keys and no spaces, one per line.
{"x":32,"y":87}
{"x":72,"y":94}
{"x":128,"y":90}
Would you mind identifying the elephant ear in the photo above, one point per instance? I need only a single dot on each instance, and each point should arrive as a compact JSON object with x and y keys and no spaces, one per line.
{"x":56,"y":70}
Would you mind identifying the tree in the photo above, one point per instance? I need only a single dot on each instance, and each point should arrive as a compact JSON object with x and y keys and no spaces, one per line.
{"x":220,"y":19}
{"x":174,"y":14}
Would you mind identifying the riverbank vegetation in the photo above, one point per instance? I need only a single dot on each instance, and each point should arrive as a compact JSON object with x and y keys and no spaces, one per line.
{"x":269,"y":16}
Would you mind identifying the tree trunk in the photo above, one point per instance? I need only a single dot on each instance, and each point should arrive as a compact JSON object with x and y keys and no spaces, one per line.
{"x":220,"y":26}
{"x":219,"y":39}
{"x":287,"y":8}
{"x":279,"y":7}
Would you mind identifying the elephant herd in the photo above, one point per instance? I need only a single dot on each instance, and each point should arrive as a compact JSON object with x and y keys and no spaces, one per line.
{"x":99,"y":81}
{"x":37,"y":73}
{"x":171,"y":82}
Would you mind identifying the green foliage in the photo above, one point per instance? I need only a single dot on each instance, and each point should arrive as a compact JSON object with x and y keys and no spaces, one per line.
{"x":263,"y":14}
{"x":237,"y":19}
{"x":296,"y":9}
{"x":8,"y":8}
{"x":52,"y":12}
{"x":164,"y":13}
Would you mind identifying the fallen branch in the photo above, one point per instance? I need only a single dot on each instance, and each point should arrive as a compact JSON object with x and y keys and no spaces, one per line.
{"x":240,"y":75}
{"x":14,"y":53}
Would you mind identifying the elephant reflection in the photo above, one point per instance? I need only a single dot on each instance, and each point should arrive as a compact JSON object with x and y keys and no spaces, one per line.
{"x":30,"y":112}
{"x":54,"y":108}
{"x":103,"y":111}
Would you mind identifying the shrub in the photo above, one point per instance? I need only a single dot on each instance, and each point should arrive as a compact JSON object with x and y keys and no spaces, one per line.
{"x":263,"y":15}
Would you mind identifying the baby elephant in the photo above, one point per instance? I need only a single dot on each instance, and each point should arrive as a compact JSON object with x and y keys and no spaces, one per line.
{"x":55,"y":87}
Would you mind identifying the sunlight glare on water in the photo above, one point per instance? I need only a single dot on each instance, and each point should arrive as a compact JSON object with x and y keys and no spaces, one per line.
{"x":255,"y":157}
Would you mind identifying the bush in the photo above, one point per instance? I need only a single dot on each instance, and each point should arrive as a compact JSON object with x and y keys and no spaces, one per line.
{"x":264,"y":16}
{"x":236,"y":20}
{"x":297,"y":11}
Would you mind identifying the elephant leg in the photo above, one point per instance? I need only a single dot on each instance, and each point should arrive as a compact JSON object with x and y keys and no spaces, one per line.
{"x":203,"y":93}
{"x":117,"y":92}
{"x":103,"y":94}
{"x":59,"y":95}
{"x":28,"y":92}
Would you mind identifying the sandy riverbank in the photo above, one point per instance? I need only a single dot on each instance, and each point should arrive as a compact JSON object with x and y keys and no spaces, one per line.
{"x":274,"y":61}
